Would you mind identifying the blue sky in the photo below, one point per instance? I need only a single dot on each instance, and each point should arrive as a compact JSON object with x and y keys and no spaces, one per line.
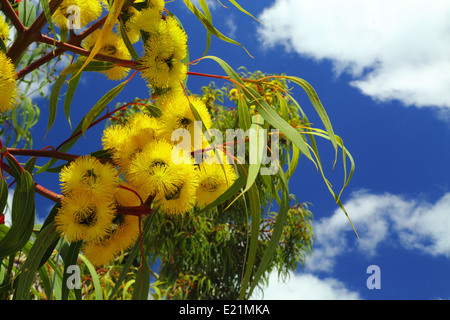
{"x":382,"y":72}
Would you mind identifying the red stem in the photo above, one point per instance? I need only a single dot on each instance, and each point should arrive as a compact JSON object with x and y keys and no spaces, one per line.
{"x":139,"y":211}
{"x":39,"y":189}
{"x":42,"y":153}
{"x":106,"y":116}
{"x":11,"y":14}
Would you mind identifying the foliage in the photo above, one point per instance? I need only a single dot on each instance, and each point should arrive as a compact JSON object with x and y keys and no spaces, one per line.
{"x":136,"y":223}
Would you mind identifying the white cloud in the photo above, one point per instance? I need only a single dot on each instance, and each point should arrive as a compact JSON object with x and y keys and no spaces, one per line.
{"x":232,"y":26}
{"x":306,"y":287}
{"x":394,"y":50}
{"x":381,"y":219}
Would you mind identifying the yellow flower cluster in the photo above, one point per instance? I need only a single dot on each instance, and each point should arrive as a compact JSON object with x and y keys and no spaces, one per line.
{"x":154,"y":165}
{"x":81,"y":11}
{"x":8,"y":85}
{"x":165,"y":46}
{"x":4,"y":29}
{"x":88,"y":209}
{"x":113,"y":46}
{"x":143,"y":156}
{"x":147,"y":163}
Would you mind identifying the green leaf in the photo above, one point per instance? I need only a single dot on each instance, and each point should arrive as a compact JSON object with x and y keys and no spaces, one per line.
{"x":255,"y":219}
{"x":69,"y":253}
{"x":142,"y":283}
{"x":265,"y":110}
{"x":70,"y":93}
{"x":27,"y":13}
{"x":243,"y":114}
{"x":22,"y":216}
{"x":100,"y":105}
{"x":3,"y":195}
{"x":208,"y":31}
{"x":57,"y":86}
{"x":95,"y":278}
{"x":29,"y":166}
{"x":347,"y":178}
{"x":48,"y":15}
{"x":284,"y":109}
{"x":242,"y":9}
{"x":209,"y":27}
{"x":54,"y":96}
{"x":272,"y":117}
{"x":254,"y":168}
{"x":314,"y":98}
{"x":46,"y":282}
{"x":56,"y":282}
{"x":45,"y":239}
{"x":276,"y":233}
{"x":128,"y":43}
{"x":3,"y":46}
{"x":131,"y":257}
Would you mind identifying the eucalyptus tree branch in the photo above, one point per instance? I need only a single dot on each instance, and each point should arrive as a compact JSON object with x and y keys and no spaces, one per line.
{"x":42,"y":153}
{"x":26,"y":36}
{"x":41,"y":20}
{"x":38,"y":63}
{"x":74,"y":40}
{"x":53,"y":196}
{"x":139,"y":211}
{"x":66,"y":46}
{"x":8,"y":10}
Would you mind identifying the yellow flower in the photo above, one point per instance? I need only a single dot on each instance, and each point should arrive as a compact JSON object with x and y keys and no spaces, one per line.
{"x":127,"y":141}
{"x":183,"y":198}
{"x":153,"y":171}
{"x":122,"y":235}
{"x":114,"y":137}
{"x":214,"y":180}
{"x":128,"y":14}
{"x":81,"y":218}
{"x":234,"y":94}
{"x":4,"y":29}
{"x":124,"y":231}
{"x":99,"y":253}
{"x":89,"y":10}
{"x":130,"y":196}
{"x":163,"y":95}
{"x":165,"y":47}
{"x":133,"y":34}
{"x":156,"y":4}
{"x":147,"y":20}
{"x":89,"y":177}
{"x":178,"y":38}
{"x":8,"y":86}
{"x":177,"y":114}
{"x":162,"y":73}
{"x":114,"y":46}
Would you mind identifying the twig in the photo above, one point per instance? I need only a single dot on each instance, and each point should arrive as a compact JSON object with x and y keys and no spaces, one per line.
{"x":8,"y":10}
{"x":26,"y":36}
{"x":53,"y":196}
{"x":42,"y":153}
{"x":76,"y":49}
